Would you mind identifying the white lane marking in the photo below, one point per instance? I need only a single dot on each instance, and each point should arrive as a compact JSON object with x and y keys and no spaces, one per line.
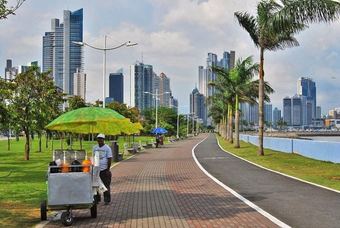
{"x":283,"y":174}
{"x":250,"y":204}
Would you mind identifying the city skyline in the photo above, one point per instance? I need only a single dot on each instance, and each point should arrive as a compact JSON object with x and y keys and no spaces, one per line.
{"x":163,"y":28}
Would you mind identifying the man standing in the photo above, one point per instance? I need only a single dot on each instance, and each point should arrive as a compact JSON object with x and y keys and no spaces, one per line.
{"x":105,"y":159}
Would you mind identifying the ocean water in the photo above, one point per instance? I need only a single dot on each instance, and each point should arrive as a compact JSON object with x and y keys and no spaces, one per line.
{"x":326,"y":138}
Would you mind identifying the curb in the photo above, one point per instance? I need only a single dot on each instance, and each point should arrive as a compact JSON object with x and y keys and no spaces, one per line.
{"x":240,"y":197}
{"x":277,"y":172}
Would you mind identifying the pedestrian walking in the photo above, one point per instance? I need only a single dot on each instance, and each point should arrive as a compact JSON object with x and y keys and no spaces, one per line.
{"x":105,"y":159}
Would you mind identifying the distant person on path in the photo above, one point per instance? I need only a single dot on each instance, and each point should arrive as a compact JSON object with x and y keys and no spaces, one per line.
{"x":158,"y":140}
{"x":105,"y":156}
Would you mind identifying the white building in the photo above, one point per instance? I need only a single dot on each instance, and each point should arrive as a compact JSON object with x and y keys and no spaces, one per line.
{"x":79,"y":84}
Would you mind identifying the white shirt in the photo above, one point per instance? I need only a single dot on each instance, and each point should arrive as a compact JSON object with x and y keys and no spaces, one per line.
{"x":104,"y":153}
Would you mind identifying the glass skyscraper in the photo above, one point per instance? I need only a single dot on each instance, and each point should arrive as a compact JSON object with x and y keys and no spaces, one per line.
{"x":142,"y":81}
{"x":306,"y":87}
{"x":116,"y":87}
{"x":60,"y":55}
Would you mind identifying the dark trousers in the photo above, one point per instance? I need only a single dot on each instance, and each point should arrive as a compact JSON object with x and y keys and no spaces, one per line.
{"x":105,"y":176}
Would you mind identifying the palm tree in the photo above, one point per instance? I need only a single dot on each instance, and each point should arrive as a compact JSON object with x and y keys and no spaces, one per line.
{"x":241,"y":86}
{"x":274,"y":26}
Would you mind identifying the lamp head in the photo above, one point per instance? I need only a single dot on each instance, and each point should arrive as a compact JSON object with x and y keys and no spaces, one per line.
{"x":78,"y":43}
{"x":130,"y":44}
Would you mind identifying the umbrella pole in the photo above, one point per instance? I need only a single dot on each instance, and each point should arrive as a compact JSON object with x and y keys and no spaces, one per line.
{"x":80,"y":141}
{"x":62,"y":141}
{"x":70,"y":135}
{"x":52,"y":141}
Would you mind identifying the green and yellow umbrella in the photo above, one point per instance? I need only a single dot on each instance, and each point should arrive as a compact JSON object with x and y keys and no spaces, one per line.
{"x":94,"y":120}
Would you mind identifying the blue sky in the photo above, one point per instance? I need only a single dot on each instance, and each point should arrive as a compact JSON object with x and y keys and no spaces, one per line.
{"x":175,"y":37}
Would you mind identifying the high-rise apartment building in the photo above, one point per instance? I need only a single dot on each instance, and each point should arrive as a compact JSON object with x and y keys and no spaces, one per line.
{"x":10,"y":71}
{"x":79,"y":83}
{"x":306,"y":87}
{"x":60,"y":55}
{"x":250,"y":113}
{"x":318,"y":112}
{"x":276,"y":116}
{"x":164,"y":90}
{"x":297,"y":111}
{"x":287,"y":110}
{"x":142,"y":86}
{"x":268,"y":111}
{"x":116,"y":87}
{"x":206,"y":75}
{"x":197,"y":104}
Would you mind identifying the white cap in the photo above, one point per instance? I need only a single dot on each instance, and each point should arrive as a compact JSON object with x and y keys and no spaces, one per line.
{"x":101,"y":136}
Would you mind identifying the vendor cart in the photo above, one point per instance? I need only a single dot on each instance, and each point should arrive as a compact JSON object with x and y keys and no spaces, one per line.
{"x":76,"y":185}
{"x":71,"y":190}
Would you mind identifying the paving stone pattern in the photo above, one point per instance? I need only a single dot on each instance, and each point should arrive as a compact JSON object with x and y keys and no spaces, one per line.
{"x":164,"y":188}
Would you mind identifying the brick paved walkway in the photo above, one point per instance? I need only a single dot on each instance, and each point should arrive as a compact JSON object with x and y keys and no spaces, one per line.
{"x":165,"y":188}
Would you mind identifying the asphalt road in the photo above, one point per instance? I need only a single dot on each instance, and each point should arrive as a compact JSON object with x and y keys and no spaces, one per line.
{"x":295,"y":203}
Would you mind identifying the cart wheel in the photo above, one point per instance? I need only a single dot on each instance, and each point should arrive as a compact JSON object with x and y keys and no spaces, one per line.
{"x":66,"y":218}
{"x":94,"y":211}
{"x":43,"y":210}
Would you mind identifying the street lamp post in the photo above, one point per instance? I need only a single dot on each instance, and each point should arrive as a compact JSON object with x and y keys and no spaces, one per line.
{"x":126,"y":44}
{"x":156,"y":95}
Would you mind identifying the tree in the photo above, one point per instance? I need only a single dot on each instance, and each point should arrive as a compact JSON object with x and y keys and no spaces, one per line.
{"x":5,"y":10}
{"x":131,"y":113}
{"x":75,"y":102}
{"x":167,"y":118}
{"x":241,"y":87}
{"x":48,"y":101}
{"x":281,"y":124}
{"x":5,"y":114}
{"x":273,"y":28}
{"x":34,"y":102}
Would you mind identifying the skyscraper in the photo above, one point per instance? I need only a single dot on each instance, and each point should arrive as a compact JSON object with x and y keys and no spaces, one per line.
{"x":249,"y":113}
{"x":202,"y":80}
{"x":306,"y":87}
{"x":10,"y":71}
{"x":116,"y":87}
{"x":164,"y":90}
{"x":287,"y":110}
{"x":60,"y":55}
{"x":141,"y":82}
{"x":318,"y":112}
{"x":197,"y":104}
{"x":79,"y":83}
{"x":268,"y":111}
{"x":206,"y":75}
{"x":276,"y":116}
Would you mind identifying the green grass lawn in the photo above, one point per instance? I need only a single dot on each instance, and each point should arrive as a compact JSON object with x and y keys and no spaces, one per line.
{"x":319,"y":172}
{"x":23,"y":183}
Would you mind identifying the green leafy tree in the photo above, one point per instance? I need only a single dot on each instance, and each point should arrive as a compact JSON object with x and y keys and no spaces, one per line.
{"x":75,"y":102}
{"x":34,"y":102}
{"x":131,"y":113}
{"x":167,"y":118}
{"x":6,"y":10}
{"x":48,"y":102}
{"x":273,"y":28}
{"x":5,"y":113}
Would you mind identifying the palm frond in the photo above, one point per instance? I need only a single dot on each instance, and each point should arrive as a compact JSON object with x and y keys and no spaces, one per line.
{"x":249,"y":23}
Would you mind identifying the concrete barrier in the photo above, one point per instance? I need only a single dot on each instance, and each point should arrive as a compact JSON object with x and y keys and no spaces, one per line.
{"x":319,"y":150}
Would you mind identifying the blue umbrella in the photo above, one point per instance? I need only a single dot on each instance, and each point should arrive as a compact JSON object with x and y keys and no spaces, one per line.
{"x":159,"y":130}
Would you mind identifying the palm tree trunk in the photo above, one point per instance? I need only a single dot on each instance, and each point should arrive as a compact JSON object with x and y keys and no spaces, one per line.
{"x":227,"y":124}
{"x":237,"y":122}
{"x":231,"y":139}
{"x":261,"y":103}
